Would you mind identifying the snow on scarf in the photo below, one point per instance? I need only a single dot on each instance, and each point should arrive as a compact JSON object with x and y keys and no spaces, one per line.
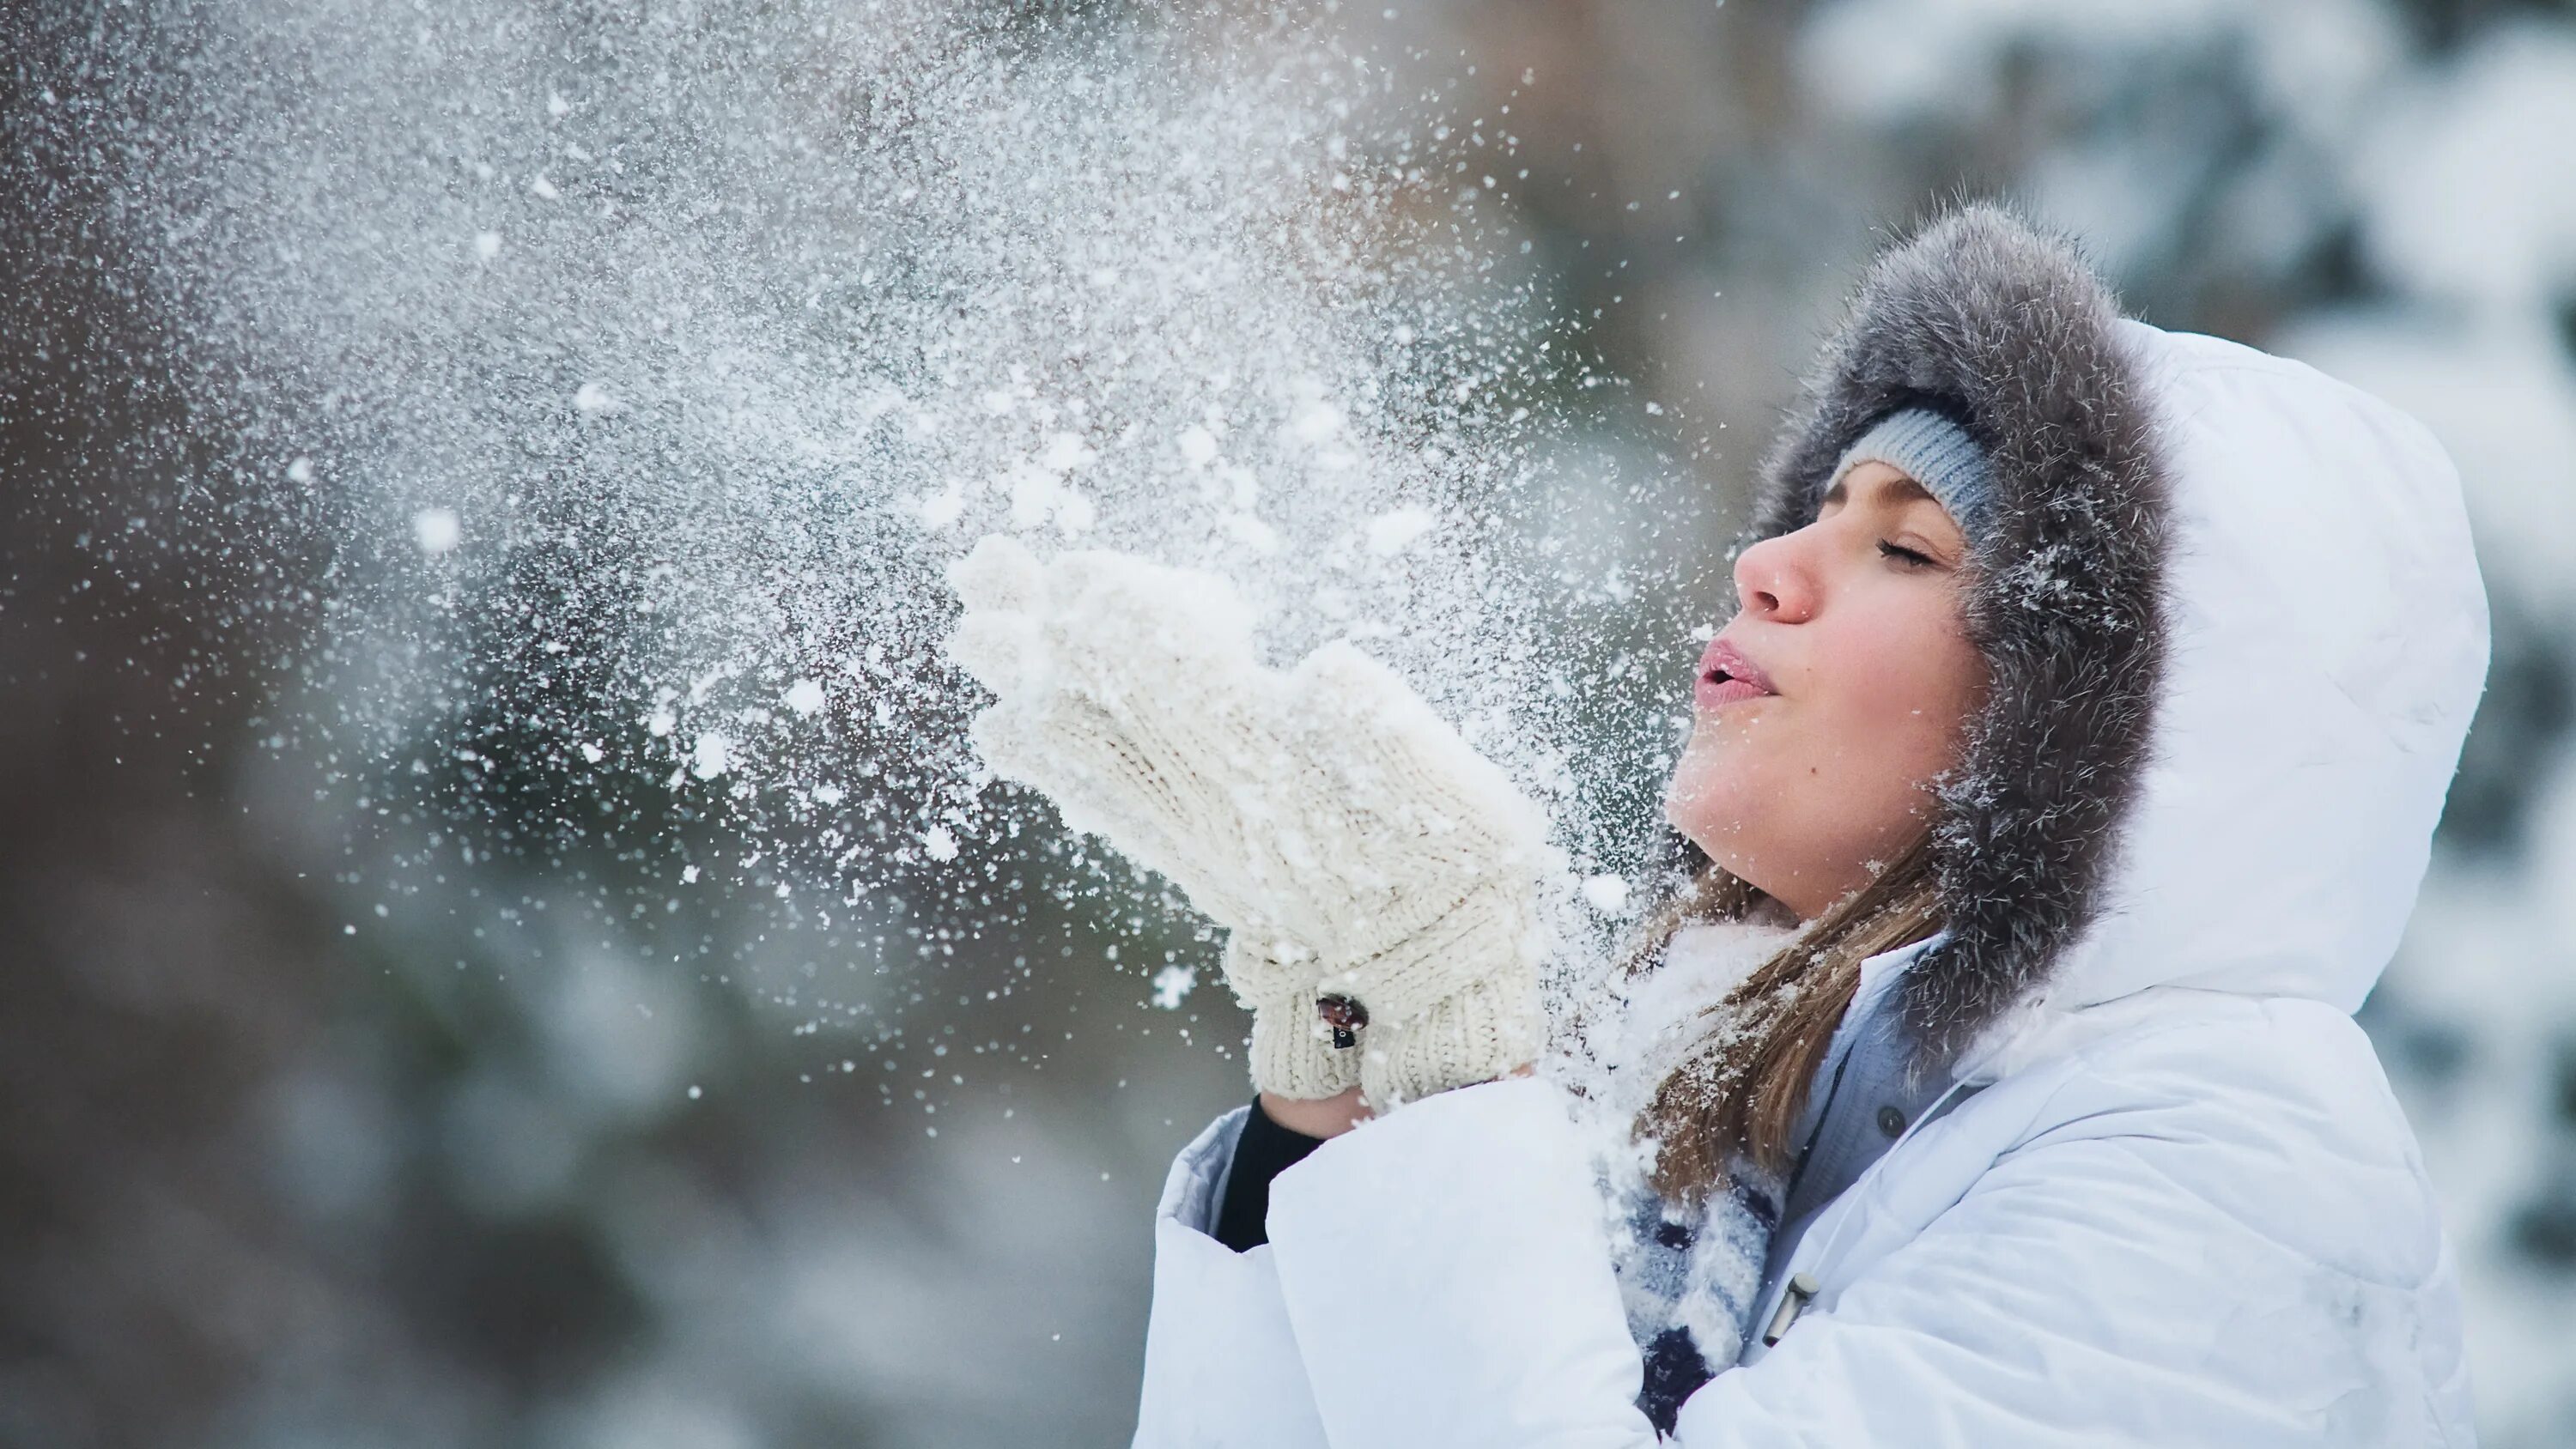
{"x":1687,"y":1276}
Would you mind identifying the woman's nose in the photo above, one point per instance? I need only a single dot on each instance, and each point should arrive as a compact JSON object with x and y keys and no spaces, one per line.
{"x":1773,"y":580}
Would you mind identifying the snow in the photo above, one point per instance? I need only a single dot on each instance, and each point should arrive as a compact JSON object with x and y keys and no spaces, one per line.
{"x":1172,"y":986}
{"x":832,"y":353}
{"x":436,"y":530}
{"x":710,"y":756}
{"x":1066,"y":452}
{"x":1394,"y":531}
{"x":1039,"y":497}
{"x":940,"y":510}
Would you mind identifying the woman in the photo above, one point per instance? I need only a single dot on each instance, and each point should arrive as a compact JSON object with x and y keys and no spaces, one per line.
{"x":2091,"y":700}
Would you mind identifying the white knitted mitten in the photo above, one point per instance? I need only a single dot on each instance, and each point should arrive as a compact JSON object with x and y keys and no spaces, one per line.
{"x":1354,"y":845}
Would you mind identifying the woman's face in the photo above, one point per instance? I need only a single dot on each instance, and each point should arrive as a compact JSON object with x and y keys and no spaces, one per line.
{"x":1852,"y":680}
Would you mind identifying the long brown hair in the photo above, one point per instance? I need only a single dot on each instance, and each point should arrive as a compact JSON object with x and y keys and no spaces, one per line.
{"x":1735,"y":1099}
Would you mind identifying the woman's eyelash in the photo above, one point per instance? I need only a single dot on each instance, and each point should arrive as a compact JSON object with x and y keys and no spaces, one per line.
{"x":1893,"y":551}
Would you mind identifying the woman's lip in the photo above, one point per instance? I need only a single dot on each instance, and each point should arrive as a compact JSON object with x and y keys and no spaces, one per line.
{"x":1744,"y":678}
{"x":1714,"y":693}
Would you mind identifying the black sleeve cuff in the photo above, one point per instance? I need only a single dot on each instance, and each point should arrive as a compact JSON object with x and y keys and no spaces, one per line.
{"x":1264,"y":1151}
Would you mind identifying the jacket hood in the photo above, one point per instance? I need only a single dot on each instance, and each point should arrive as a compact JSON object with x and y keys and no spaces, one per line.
{"x":2234,"y":625}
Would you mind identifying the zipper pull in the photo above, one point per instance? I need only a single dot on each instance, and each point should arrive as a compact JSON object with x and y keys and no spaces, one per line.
{"x":1802,"y":1291}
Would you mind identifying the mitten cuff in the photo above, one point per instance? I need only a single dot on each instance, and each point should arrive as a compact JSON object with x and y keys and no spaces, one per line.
{"x":1488,"y":1030}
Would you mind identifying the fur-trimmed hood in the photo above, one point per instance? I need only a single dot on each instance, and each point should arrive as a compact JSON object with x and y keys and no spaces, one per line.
{"x":2235,"y":628}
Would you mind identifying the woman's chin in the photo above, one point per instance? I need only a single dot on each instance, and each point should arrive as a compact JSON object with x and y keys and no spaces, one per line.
{"x":1698,"y":810}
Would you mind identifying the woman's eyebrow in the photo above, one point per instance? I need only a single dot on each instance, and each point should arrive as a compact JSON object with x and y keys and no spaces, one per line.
{"x":1899,"y":489}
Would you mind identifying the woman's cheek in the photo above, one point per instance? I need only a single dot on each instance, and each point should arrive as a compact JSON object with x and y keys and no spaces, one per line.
{"x":1930,"y":692}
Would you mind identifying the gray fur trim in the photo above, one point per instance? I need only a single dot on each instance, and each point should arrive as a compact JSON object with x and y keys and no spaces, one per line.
{"x":2007,"y":328}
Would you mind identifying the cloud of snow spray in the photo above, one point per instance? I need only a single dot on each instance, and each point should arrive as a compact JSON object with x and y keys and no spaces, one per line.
{"x":618,"y":378}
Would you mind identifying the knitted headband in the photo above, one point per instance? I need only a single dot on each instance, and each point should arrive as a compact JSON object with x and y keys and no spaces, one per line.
{"x":1926,"y":446}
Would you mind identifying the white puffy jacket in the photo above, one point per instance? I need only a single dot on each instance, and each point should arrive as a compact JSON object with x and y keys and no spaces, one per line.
{"x":2172,"y":1200}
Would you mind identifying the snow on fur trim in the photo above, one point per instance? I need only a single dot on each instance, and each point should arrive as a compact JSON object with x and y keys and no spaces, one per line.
{"x":2005,"y":327}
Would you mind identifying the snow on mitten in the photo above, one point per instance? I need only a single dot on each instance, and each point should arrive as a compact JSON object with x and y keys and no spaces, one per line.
{"x":1113,"y":735}
{"x":1435,"y":922}
{"x":1350,"y":841}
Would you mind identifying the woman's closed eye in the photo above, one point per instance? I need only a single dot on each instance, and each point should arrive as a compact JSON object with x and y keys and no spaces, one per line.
{"x":1912,"y":559}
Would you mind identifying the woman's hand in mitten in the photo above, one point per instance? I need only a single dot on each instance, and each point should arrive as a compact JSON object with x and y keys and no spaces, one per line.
{"x":1354,"y":845}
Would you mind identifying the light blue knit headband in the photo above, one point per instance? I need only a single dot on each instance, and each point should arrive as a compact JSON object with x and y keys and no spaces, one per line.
{"x":1936,"y":452}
